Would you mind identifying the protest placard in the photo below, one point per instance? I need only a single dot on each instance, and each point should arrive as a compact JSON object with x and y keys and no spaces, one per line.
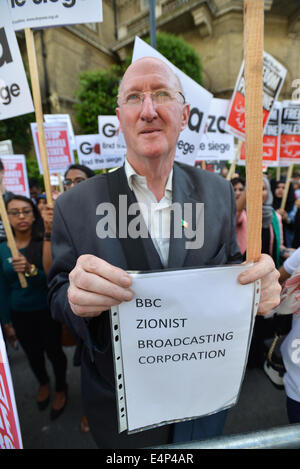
{"x":15,"y":174}
{"x":6,"y":147}
{"x":55,"y":118}
{"x":90,"y":154}
{"x":112,"y":144}
{"x":216,"y":143}
{"x":59,"y":152}
{"x":15,"y":97}
{"x":45,"y":13}
{"x":273,"y":77}
{"x":290,"y":133}
{"x":195,"y":95}
{"x":271,"y":140}
{"x":10,"y":434}
{"x":170,"y":330}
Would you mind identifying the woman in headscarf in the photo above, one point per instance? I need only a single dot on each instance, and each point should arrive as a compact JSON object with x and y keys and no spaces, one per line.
{"x":288,"y":213}
{"x":272,"y":235}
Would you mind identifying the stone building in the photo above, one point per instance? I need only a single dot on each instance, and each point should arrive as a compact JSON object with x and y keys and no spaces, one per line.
{"x":213,"y":27}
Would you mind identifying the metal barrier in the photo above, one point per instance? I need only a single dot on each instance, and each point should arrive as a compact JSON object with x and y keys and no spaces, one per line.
{"x":287,"y":437}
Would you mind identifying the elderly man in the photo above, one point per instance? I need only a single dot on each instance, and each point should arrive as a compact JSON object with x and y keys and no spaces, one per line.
{"x":88,"y":274}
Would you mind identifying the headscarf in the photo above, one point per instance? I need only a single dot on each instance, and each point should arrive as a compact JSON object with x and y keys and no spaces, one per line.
{"x":267,"y":208}
{"x":290,"y":197}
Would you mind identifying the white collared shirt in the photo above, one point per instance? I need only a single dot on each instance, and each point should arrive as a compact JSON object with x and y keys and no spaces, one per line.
{"x":156,"y":214}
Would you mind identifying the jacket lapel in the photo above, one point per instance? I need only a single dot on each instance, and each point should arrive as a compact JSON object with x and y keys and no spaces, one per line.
{"x":183,"y":193}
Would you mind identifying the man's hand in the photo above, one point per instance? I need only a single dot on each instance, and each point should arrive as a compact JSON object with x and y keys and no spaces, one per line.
{"x":96,"y":285}
{"x":47,"y":215}
{"x":265,"y":271}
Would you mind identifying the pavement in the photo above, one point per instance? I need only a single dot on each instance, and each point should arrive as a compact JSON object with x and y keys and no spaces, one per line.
{"x":260,"y":406}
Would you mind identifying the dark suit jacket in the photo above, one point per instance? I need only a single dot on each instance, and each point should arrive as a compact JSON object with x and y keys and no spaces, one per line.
{"x":74,"y":234}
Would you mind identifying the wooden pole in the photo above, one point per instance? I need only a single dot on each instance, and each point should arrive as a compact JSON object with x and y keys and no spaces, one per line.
{"x":253,"y":50}
{"x":233,"y":164}
{"x":278,"y":173}
{"x":10,"y":238}
{"x":287,"y":186}
{"x":38,"y":111}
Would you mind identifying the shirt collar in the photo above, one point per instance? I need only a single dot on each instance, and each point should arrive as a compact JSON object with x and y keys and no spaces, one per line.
{"x":132,"y":177}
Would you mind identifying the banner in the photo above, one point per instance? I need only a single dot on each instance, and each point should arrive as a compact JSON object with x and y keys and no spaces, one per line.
{"x":196,"y":96}
{"x":112,"y":144}
{"x":216,"y":143}
{"x":15,"y":97}
{"x":15,"y":174}
{"x":273,"y":77}
{"x":60,"y":156}
{"x":55,"y":118}
{"x":10,"y":434}
{"x":290,"y":133}
{"x":271,"y":140}
{"x":44,"y":13}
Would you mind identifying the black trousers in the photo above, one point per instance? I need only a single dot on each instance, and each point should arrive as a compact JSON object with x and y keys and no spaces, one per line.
{"x":38,"y":333}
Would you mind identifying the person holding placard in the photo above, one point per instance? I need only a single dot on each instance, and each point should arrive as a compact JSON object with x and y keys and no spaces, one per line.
{"x":91,"y":254}
{"x":27,"y":308}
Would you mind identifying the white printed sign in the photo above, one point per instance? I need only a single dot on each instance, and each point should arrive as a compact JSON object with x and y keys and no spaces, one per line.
{"x":216,"y":143}
{"x":271,"y":139}
{"x":10,"y":434}
{"x":112,"y":144}
{"x":290,"y":133}
{"x":15,"y":97}
{"x":173,"y":329}
{"x":273,"y":77}
{"x":196,"y":96}
{"x":15,"y":174}
{"x":44,"y":13}
{"x":6,"y":147}
{"x":59,"y":152}
{"x":88,"y":150}
{"x":55,"y":118}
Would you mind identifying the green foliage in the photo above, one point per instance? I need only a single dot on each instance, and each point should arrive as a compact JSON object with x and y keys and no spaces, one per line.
{"x":33,"y":170}
{"x":17,"y":129}
{"x":97,"y":96}
{"x":98,"y":89}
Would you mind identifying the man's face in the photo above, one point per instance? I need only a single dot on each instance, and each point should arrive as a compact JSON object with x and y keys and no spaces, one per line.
{"x":151,"y":130}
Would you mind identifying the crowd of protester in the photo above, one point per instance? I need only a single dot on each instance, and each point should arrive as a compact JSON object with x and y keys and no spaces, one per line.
{"x":25,"y":315}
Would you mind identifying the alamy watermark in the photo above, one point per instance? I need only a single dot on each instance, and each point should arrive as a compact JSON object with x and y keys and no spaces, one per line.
{"x":185,"y":221}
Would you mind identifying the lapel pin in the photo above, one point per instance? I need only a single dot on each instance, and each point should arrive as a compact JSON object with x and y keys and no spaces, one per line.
{"x":184,"y":224}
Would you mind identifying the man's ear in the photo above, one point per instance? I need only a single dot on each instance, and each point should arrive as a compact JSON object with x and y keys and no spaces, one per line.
{"x":118,"y":116}
{"x":185,"y":116}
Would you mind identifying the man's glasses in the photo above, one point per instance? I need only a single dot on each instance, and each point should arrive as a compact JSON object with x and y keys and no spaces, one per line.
{"x":162,"y":96}
{"x":16,"y":213}
{"x":69,"y":182}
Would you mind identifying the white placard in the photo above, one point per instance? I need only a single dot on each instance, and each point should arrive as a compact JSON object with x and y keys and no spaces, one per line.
{"x":6,"y":147}
{"x":196,"y":96}
{"x":112,"y":144}
{"x":182,"y":344}
{"x":44,"y":13}
{"x":15,"y":177}
{"x":273,"y":77}
{"x":89,"y":151}
{"x":63,"y":118}
{"x":216,"y":143}
{"x":60,"y":155}
{"x":15,"y":97}
{"x":10,"y":433}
